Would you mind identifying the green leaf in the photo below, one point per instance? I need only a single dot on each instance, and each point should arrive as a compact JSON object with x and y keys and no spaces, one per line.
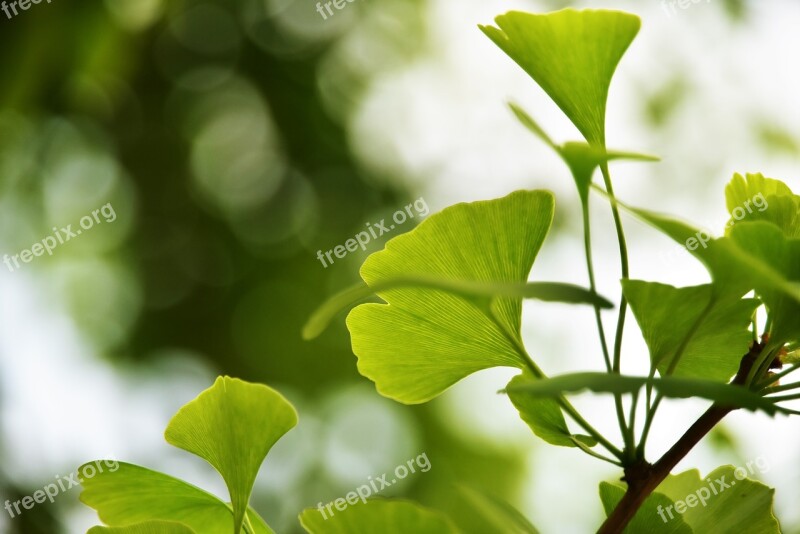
{"x":423,"y":341}
{"x":734,"y":267}
{"x":132,"y":494}
{"x":499,"y":516}
{"x":717,"y":329}
{"x":232,"y":426}
{"x":766,"y":241}
{"x":581,"y":158}
{"x":572,"y":55}
{"x":728,"y":503}
{"x":669,"y":386}
{"x":377,"y":516}
{"x":755,"y":198}
{"x":150,"y":527}
{"x":543,"y":415}
{"x":477,"y":291}
{"x":647,"y":518}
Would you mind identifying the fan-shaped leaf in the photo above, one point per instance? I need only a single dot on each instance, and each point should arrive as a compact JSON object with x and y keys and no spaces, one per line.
{"x":715,"y":330}
{"x":572,"y":55}
{"x":755,"y":198}
{"x":423,"y":341}
{"x":232,"y":426}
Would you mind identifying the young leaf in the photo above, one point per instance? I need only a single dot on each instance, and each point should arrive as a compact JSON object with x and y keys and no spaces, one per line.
{"x":729,"y":503}
{"x":755,"y":198}
{"x":232,"y":426}
{"x":543,"y":415}
{"x":378,"y":516}
{"x":647,"y":518}
{"x":150,"y":527}
{"x":669,"y":386}
{"x":423,"y":341}
{"x":498,"y":515}
{"x":717,"y":331}
{"x":572,"y":55}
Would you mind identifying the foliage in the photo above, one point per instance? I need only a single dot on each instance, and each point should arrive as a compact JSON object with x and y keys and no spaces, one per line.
{"x":451,"y":294}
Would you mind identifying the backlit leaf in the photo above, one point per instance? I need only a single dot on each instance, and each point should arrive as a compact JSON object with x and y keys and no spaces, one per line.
{"x":718,"y":337}
{"x":423,"y":340}
{"x":232,"y":426}
{"x":572,"y":55}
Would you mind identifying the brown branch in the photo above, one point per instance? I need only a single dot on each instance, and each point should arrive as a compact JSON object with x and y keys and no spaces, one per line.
{"x":643,"y":478}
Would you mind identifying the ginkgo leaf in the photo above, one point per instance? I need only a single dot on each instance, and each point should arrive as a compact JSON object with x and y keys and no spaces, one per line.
{"x":647,"y":518}
{"x":232,"y":426}
{"x":755,"y":198}
{"x":377,"y":516}
{"x":132,"y":494}
{"x":734,"y":268}
{"x":582,"y":159}
{"x":543,"y":415}
{"x":149,"y":527}
{"x":422,"y":340}
{"x":711,"y":332}
{"x":724,"y":501}
{"x":669,"y":386}
{"x":572,"y":55}
{"x":767,"y":242}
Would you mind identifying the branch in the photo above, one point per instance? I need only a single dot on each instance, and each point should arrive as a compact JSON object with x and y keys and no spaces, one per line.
{"x":643,"y":478}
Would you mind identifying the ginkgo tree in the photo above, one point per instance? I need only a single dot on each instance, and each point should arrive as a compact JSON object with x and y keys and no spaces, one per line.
{"x":449,"y":303}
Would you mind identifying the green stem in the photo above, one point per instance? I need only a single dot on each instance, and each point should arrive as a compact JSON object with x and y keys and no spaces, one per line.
{"x":587,"y":248}
{"x":623,"y":306}
{"x":648,"y":422}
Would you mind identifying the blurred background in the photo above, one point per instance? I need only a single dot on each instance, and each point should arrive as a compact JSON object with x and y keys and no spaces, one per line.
{"x":235,"y":139}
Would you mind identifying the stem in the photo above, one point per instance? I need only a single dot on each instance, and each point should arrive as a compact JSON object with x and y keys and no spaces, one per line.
{"x":623,"y":306}
{"x":587,"y":248}
{"x":651,"y":413}
{"x":643,"y":478}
